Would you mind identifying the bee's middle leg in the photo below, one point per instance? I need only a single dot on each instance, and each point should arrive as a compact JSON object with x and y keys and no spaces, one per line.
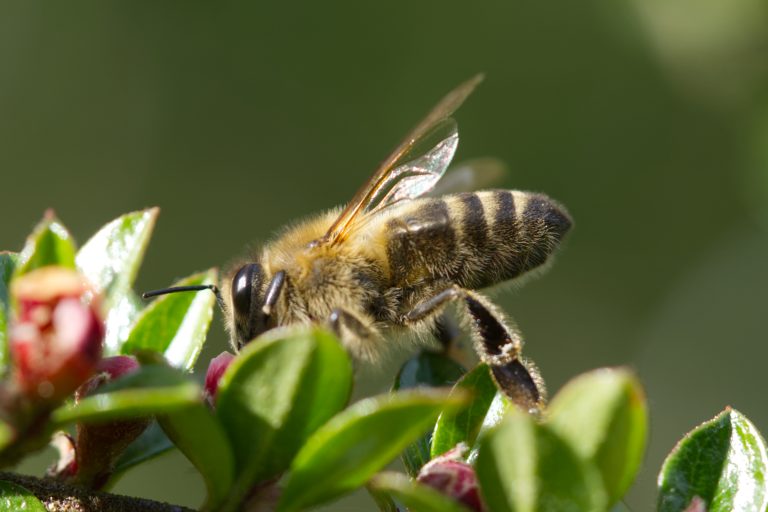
{"x":355,"y":333}
{"x":497,"y":344}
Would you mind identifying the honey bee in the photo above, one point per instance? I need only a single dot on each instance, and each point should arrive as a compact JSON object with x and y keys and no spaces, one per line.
{"x":393,"y":259}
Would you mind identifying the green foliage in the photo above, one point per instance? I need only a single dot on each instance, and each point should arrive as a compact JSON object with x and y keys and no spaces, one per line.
{"x":280,"y":421}
{"x":110,"y":259}
{"x":49,"y":244}
{"x":524,"y":466}
{"x":201,"y":437}
{"x":722,"y":461}
{"x":415,"y":496}
{"x":425,"y":369}
{"x":279,"y":390}
{"x":7,"y":264}
{"x":603,"y":415}
{"x":14,"y":498}
{"x":175,"y":325}
{"x":152,"y":390}
{"x":348,"y":450}
{"x":464,"y":427}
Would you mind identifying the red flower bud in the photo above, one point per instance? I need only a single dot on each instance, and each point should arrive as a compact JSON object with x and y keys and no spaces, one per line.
{"x":449,"y":474}
{"x":216,"y":369}
{"x":56,"y":336}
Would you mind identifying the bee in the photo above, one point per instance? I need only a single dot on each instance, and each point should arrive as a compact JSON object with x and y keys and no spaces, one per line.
{"x":393,"y":259}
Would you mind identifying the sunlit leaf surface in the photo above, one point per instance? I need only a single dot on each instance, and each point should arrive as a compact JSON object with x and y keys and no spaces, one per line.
{"x":15,"y":498}
{"x":176,"y":324}
{"x":604,"y":416}
{"x":723,"y":462}
{"x":49,"y":244}
{"x":345,"y":452}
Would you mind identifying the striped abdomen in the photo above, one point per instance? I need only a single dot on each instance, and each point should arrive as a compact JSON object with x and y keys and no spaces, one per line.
{"x":473,"y":239}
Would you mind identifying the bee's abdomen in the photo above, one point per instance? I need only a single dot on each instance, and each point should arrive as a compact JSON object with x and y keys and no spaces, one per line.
{"x":475,"y":239}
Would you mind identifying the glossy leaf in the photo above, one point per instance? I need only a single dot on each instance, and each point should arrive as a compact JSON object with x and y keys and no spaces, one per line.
{"x":111,"y":258}
{"x":603,"y":414}
{"x":151,"y":390}
{"x":417,"y":497}
{"x":428,"y":369}
{"x":49,"y":244}
{"x":276,"y":393}
{"x":14,"y":498}
{"x":527,"y":467}
{"x":464,"y":426}
{"x":499,"y":407}
{"x":7,"y":264}
{"x":345,"y":452}
{"x":120,"y":320}
{"x":176,"y":324}
{"x":151,"y":443}
{"x":201,"y":438}
{"x":723,"y":462}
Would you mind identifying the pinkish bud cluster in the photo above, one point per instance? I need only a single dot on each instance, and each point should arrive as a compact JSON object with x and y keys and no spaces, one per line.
{"x":449,"y":474}
{"x":216,"y":369}
{"x":56,"y":337}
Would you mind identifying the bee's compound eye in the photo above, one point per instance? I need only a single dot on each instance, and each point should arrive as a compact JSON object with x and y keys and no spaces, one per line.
{"x":246,"y":281}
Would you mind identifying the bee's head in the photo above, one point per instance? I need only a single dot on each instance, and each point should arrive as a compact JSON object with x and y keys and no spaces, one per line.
{"x":246,"y":304}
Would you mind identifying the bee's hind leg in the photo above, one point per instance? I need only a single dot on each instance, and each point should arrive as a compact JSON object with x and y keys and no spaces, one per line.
{"x":497,"y":344}
{"x":354,"y":333}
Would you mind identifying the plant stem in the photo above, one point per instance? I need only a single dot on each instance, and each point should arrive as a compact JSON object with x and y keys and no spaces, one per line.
{"x":59,"y":497}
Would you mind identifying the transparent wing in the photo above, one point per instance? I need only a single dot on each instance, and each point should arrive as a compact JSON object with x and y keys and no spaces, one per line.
{"x":416,"y":177}
{"x":475,"y":174}
{"x":408,"y":171}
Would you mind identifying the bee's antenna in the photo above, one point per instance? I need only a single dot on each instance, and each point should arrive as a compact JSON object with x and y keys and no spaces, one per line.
{"x":196,"y":288}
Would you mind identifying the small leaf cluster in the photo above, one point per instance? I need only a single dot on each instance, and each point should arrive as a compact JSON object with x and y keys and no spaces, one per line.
{"x":278,"y":431}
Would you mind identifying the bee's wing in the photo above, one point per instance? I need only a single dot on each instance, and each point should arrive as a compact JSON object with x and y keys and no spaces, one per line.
{"x":470,"y":175}
{"x":409,"y":171}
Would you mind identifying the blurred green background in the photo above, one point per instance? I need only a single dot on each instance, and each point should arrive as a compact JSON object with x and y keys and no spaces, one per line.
{"x":647,"y":118}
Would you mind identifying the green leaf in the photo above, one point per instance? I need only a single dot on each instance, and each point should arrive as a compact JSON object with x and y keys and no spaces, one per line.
{"x":345,"y":452}
{"x":464,"y":426}
{"x":527,"y":467}
{"x":176,"y":324}
{"x":7,"y":264}
{"x":428,"y":369}
{"x":151,"y":443}
{"x":417,"y":497}
{"x":603,"y":414}
{"x":110,"y":261}
{"x":152,"y":390}
{"x":49,"y":244}
{"x":723,"y":462}
{"x":498,"y":409}
{"x":14,"y":497}
{"x":276,"y":393}
{"x":111,"y":258}
{"x":120,"y":320}
{"x":201,"y":438}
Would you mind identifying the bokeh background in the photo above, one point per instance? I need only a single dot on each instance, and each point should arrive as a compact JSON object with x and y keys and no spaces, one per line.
{"x":647,"y":118}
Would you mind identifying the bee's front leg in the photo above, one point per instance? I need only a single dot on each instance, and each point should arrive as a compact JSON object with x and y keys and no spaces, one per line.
{"x":497,"y":344}
{"x":356,"y":334}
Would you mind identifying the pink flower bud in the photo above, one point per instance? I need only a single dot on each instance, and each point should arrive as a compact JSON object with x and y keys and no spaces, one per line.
{"x":449,"y":474}
{"x":107,"y":369}
{"x":216,"y":369}
{"x":56,"y":336}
